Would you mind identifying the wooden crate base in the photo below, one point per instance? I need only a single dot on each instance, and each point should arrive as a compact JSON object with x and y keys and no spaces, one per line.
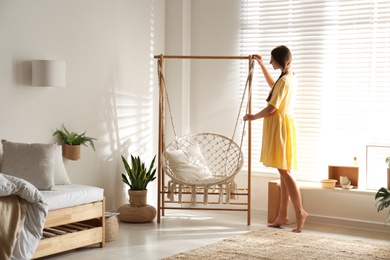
{"x":71,"y":228}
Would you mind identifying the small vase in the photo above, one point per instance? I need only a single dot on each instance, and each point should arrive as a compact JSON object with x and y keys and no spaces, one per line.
{"x":138,"y":198}
{"x":71,"y":152}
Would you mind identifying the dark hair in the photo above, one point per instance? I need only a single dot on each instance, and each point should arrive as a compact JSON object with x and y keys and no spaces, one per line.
{"x":282,"y":55}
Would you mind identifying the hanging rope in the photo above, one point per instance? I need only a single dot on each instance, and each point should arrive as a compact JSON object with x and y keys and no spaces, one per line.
{"x":248,"y":81}
{"x":162,"y":82}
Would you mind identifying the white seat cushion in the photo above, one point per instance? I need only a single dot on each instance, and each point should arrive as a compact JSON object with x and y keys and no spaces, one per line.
{"x":188,"y":164}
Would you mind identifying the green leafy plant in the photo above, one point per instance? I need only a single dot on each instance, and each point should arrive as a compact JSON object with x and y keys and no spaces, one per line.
{"x":388,"y":162}
{"x":138,"y":175}
{"x":73,"y":138}
{"x":384,"y":201}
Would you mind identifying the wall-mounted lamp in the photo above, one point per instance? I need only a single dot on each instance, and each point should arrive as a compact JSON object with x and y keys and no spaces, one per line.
{"x":50,"y":73}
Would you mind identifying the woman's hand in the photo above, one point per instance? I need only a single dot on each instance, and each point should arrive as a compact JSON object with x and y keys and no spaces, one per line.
{"x":267,"y":111}
{"x":267,"y":75}
{"x":258,"y":58}
{"x":248,"y":117}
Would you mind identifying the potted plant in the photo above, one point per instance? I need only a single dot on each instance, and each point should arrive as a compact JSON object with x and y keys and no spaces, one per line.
{"x":72,"y":142}
{"x":137,"y":177}
{"x":384,"y":200}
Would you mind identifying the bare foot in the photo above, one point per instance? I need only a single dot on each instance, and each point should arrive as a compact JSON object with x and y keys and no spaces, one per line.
{"x":300,"y":222}
{"x":278,"y":222}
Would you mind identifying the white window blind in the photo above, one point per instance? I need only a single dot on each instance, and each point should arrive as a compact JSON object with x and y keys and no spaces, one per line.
{"x":341,"y":56}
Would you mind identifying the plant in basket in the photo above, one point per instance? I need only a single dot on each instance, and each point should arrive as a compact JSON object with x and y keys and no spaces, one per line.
{"x":137,"y":177}
{"x":73,"y":141}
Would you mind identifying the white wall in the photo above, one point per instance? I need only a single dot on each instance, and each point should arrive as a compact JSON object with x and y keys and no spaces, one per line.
{"x":108,"y":48}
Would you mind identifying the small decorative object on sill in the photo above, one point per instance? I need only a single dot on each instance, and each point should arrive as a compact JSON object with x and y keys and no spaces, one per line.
{"x":328,"y":184}
{"x":72,"y":142}
{"x":355,"y":162}
{"x":137,"y":178}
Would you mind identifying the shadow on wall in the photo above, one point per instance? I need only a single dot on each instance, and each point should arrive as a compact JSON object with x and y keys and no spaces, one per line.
{"x":128,"y":130}
{"x":128,"y":125}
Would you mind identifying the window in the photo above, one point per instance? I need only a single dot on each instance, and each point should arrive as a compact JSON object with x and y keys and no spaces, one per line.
{"x":341,"y":55}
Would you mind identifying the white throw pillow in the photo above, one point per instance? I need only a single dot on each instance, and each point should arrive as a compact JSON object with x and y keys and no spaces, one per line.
{"x":31,"y":162}
{"x":60,"y":174}
{"x":188,"y":164}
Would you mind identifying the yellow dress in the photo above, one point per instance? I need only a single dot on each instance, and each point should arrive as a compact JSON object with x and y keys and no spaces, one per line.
{"x":279,"y":147}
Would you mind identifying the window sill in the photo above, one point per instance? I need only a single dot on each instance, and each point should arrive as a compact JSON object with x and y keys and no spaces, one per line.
{"x":309,"y":185}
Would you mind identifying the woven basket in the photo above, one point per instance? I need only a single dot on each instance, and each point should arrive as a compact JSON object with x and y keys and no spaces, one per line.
{"x":137,"y":198}
{"x":112,"y":228}
{"x":71,"y":152}
{"x":131,"y":214}
{"x":329,"y":184}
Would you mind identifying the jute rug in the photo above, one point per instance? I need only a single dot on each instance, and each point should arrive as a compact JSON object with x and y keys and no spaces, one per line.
{"x":278,"y":244}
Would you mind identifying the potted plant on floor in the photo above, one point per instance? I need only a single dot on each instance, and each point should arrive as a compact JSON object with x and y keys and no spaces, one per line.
{"x":137,"y":177}
{"x":72,"y":142}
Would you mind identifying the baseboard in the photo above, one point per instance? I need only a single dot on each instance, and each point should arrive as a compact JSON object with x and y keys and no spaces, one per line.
{"x":338,"y":221}
{"x":349,"y":223}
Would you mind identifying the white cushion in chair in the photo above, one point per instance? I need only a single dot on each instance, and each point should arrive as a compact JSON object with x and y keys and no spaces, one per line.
{"x":188,"y":164}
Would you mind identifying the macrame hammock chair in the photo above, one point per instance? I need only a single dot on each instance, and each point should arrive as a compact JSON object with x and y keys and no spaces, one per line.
{"x":216,"y":156}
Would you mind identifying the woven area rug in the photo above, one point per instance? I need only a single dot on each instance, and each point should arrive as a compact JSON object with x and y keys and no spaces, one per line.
{"x":271,"y":244}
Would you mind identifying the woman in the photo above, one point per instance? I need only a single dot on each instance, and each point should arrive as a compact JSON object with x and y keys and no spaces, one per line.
{"x":279,"y":133}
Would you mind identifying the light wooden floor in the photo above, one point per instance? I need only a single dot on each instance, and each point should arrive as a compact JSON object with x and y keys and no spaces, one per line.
{"x":181,"y":230}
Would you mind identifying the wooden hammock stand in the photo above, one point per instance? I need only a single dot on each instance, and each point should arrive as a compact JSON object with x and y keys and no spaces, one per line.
{"x":162,"y":189}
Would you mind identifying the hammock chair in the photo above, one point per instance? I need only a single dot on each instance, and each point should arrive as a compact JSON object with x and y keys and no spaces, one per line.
{"x":202,"y":161}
